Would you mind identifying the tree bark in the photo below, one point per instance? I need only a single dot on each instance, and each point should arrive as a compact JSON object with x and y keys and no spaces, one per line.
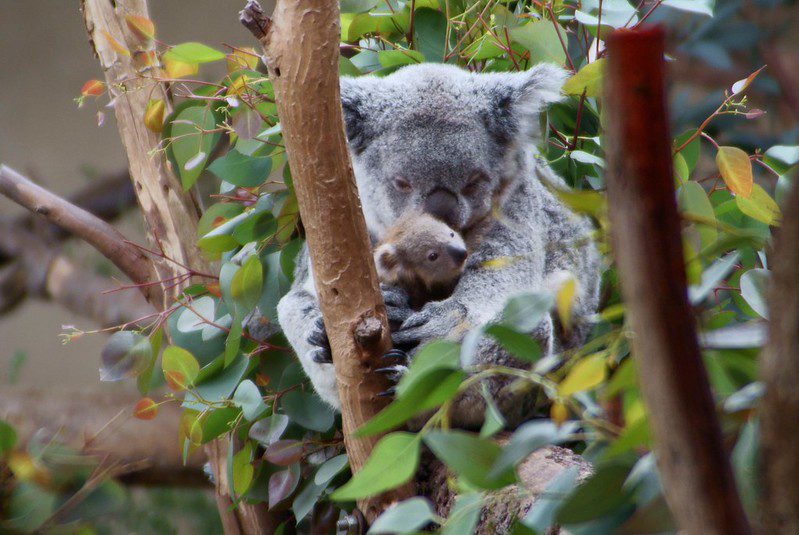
{"x":780,"y":374}
{"x":304,"y":74}
{"x":169,"y":212}
{"x":645,"y":225}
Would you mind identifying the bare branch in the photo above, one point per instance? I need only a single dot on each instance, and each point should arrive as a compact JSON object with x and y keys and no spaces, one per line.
{"x":102,"y":236}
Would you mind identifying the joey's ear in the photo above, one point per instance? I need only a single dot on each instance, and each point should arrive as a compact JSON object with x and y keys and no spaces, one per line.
{"x":517,"y":99}
{"x":355,"y":98}
{"x":386,"y":259}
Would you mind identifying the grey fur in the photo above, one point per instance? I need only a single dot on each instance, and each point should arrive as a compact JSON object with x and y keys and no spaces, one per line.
{"x":436,"y":126}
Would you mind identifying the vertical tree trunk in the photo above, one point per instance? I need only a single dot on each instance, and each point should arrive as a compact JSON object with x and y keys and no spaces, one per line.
{"x":301,"y":45}
{"x":780,"y":373}
{"x":169,"y":213}
{"x":697,"y":477}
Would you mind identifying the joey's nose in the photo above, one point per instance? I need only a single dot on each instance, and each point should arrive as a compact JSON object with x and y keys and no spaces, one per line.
{"x":443,"y":205}
{"x":458,"y":254}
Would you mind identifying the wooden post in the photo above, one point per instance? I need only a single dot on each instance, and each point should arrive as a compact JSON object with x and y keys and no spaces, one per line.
{"x":780,"y":374}
{"x":301,"y":46}
{"x":645,"y":226}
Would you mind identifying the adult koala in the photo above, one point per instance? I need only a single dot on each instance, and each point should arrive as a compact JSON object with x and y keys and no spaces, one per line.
{"x":461,"y":146}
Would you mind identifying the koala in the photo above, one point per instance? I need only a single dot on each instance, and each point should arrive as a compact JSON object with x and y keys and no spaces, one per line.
{"x":422,"y":256}
{"x":461,"y":147}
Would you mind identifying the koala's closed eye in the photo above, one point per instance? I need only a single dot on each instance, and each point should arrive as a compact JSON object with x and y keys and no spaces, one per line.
{"x":402,"y":184}
{"x":476,"y":180}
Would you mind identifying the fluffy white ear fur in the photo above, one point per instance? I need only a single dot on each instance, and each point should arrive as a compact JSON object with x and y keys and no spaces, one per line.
{"x":537,"y":88}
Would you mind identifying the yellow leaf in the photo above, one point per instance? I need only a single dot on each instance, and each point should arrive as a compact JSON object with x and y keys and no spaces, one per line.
{"x":142,"y":27}
{"x":760,"y":206}
{"x":116,"y":45}
{"x":242,"y":58}
{"x":93,"y":88}
{"x":585,"y":375}
{"x":154,"y":116}
{"x":501,"y":262}
{"x":588,"y":79}
{"x":238,"y":86}
{"x":565,"y":301}
{"x":736,"y":170}
{"x":145,"y":409}
{"x":26,"y":468}
{"x":180,"y":69}
{"x":559,"y":413}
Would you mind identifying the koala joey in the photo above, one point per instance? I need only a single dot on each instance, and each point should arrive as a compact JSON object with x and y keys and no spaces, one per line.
{"x":422,"y":256}
{"x":459,"y":146}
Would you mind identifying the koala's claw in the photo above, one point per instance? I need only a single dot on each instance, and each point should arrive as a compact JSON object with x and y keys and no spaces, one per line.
{"x":322,"y":355}
{"x":319,"y":336}
{"x":396,"y":354}
{"x":389,"y":392}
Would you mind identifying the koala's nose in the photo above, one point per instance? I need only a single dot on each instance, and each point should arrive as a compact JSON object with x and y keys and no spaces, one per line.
{"x":458,"y":254}
{"x":443,"y":204}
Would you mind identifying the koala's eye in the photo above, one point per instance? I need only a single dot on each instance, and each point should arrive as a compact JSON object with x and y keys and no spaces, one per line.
{"x":402,"y":184}
{"x":451,"y":234}
{"x":432,"y":256}
{"x":474,"y":183}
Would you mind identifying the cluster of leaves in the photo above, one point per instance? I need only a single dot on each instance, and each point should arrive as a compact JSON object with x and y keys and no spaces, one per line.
{"x":230,"y":384}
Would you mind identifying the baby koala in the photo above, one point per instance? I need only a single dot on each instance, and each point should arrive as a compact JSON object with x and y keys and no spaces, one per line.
{"x":421,"y":255}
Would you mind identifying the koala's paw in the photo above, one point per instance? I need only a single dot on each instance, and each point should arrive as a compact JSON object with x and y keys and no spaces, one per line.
{"x":398,"y":304}
{"x":321,"y":353}
{"x":397,"y":362}
{"x":435,"y":320}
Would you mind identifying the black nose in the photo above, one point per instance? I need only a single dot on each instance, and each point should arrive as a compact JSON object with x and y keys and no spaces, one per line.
{"x":443,"y":204}
{"x":458,"y":254}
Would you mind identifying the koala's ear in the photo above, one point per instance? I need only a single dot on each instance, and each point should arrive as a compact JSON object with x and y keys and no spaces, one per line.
{"x":354,"y":104}
{"x":517,"y":99}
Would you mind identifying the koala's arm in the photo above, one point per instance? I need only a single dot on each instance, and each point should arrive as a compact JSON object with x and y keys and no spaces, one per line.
{"x":298,"y":312}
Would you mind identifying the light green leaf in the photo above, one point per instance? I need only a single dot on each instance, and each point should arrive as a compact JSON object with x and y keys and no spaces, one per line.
{"x":585,"y":375}
{"x":241,"y":170}
{"x":180,"y":367}
{"x":517,"y":344}
{"x":693,"y":200}
{"x":760,"y":206}
{"x":588,"y":79}
{"x":8,"y":437}
{"x":393,"y":462}
{"x":703,"y":7}
{"x":330,"y":469}
{"x":190,"y":145}
{"x":470,"y":457}
{"x":398,"y":58}
{"x":525,"y":311}
{"x":753,"y":290}
{"x":465,"y":514}
{"x":248,"y":397}
{"x":408,"y":516}
{"x":541,"y":39}
{"x":243,"y":470}
{"x":307,"y":410}
{"x":247,"y":284}
{"x":194,"y":53}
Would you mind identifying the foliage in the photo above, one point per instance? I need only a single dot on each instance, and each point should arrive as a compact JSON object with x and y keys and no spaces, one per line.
{"x":227,"y":133}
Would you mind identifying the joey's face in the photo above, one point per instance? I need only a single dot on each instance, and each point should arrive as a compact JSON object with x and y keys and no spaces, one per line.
{"x":440,"y":139}
{"x":425,"y":250}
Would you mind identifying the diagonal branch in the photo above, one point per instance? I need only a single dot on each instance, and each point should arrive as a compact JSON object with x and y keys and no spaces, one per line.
{"x":102,"y":236}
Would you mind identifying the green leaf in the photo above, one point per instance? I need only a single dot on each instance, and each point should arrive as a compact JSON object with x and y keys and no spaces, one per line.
{"x":126,"y":354}
{"x":712,"y":276}
{"x":306,"y":499}
{"x":194,"y":53}
{"x":248,"y":397}
{"x":753,"y":290}
{"x":269,"y":430}
{"x":470,"y":457}
{"x":517,"y":344}
{"x":357,"y":6}
{"x":524,"y":312}
{"x":541,"y":515}
{"x":691,"y":151}
{"x":588,"y":79}
{"x":259,"y":226}
{"x":600,"y":495}
{"x":746,"y":462}
{"x":702,"y":7}
{"x":541,"y":39}
{"x":393,"y":462}
{"x":430,"y":33}
{"x":760,"y":206}
{"x":246,"y":286}
{"x":398,"y":58}
{"x":485,"y":47}
{"x":431,"y":391}
{"x":408,"y":516}
{"x":436,"y":355}
{"x":464,"y":515}
{"x":8,"y":437}
{"x":242,"y":470}
{"x":241,"y":170}
{"x":585,"y":375}
{"x":528,"y":438}
{"x":693,"y":200}
{"x":307,"y":410}
{"x":190,"y":145}
{"x":180,"y":367}
{"x":330,"y":469}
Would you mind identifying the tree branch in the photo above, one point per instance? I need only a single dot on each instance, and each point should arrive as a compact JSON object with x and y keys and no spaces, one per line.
{"x":102,"y":236}
{"x":697,"y":477}
{"x":306,"y":83}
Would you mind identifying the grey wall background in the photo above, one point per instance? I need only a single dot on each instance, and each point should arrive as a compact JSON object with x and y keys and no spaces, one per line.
{"x":45,"y":59}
